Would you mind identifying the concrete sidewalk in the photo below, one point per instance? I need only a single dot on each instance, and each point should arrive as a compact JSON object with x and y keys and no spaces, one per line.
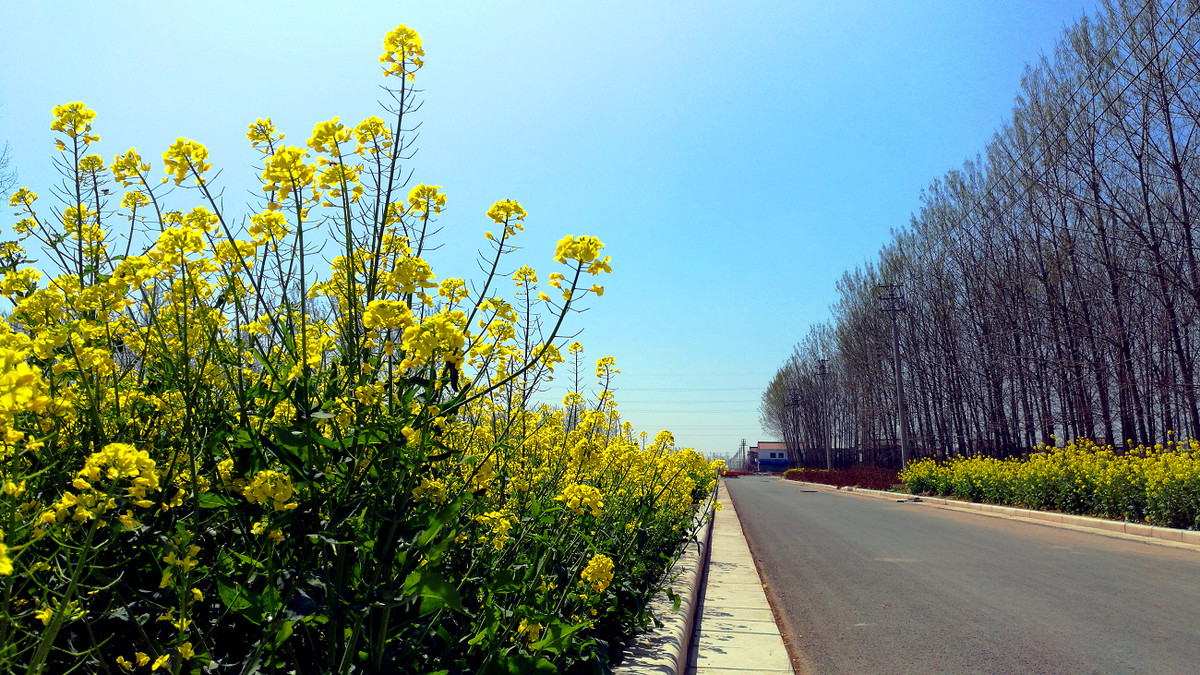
{"x":735,"y":631}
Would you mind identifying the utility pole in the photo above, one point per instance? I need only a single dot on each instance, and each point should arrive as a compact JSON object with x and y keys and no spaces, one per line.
{"x":894,"y":305}
{"x":824,"y":410}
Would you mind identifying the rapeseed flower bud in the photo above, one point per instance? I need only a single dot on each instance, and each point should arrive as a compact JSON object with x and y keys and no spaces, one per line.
{"x":387,"y":315}
{"x":434,"y":490}
{"x":23,"y":197}
{"x":19,"y":282}
{"x":583,"y":249}
{"x":134,"y":200}
{"x":44,"y":615}
{"x":262,"y":131}
{"x":507,"y":212}
{"x":440,"y":335}
{"x":128,"y":167}
{"x":337,"y":176}
{"x":91,"y":164}
{"x":267,"y":226}
{"x":524,"y":276}
{"x":372,"y":135}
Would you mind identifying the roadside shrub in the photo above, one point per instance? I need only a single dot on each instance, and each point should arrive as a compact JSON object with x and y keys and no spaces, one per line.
{"x":869,"y":477}
{"x":1159,"y":484}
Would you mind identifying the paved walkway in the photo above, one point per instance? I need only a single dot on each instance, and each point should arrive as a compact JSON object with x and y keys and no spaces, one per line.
{"x":736,"y":632}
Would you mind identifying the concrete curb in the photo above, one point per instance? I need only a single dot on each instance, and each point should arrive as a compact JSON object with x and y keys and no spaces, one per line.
{"x":736,"y":632}
{"x":664,"y":650}
{"x":1150,"y":534}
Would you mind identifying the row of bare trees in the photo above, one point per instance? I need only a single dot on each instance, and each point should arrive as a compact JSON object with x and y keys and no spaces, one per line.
{"x":1051,"y":286}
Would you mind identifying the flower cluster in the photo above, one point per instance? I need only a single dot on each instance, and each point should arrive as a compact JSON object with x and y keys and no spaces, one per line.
{"x":222,"y":446}
{"x":425,"y":200}
{"x":1159,"y":484}
{"x":401,"y":50}
{"x":271,"y":486}
{"x":599,"y":572}
{"x":499,"y":524}
{"x":75,"y":121}
{"x":579,"y":498}
{"x":287,"y":171}
{"x":184,"y":157}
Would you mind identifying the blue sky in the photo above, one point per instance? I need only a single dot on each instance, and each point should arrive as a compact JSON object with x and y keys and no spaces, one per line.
{"x":735,"y":157}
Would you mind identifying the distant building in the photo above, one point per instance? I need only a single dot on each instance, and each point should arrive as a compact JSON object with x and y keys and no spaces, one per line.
{"x":770,"y":456}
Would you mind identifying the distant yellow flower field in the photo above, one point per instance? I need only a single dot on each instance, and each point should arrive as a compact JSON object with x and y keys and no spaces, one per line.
{"x":1159,"y":484}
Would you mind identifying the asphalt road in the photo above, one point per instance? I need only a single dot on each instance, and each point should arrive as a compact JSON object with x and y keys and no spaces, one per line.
{"x":867,"y":586}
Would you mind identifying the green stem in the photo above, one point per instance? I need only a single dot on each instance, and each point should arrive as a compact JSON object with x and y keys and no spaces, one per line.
{"x":46,"y":642}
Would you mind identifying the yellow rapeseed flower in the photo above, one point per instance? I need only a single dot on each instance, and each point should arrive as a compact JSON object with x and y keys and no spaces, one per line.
{"x":402,"y":50}
{"x":6,"y":566}
{"x":185,"y":155}
{"x":74,"y":120}
{"x":531,"y":630}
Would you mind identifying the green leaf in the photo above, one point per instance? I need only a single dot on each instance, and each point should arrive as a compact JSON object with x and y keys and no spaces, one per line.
{"x":557,"y":636}
{"x":234,"y":597}
{"x":506,"y":581}
{"x":522,"y":664}
{"x":331,"y":443}
{"x":212,"y":500}
{"x":676,"y":599}
{"x":289,"y":448}
{"x":283,"y":633}
{"x":430,"y":584}
{"x":247,"y":559}
{"x":434,"y":554}
{"x":438,"y":521}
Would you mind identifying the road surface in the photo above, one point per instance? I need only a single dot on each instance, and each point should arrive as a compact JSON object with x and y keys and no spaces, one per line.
{"x":867,"y":586}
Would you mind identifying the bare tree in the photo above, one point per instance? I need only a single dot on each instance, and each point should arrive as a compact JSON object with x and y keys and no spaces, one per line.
{"x":1052,"y":284}
{"x":8,"y":174}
